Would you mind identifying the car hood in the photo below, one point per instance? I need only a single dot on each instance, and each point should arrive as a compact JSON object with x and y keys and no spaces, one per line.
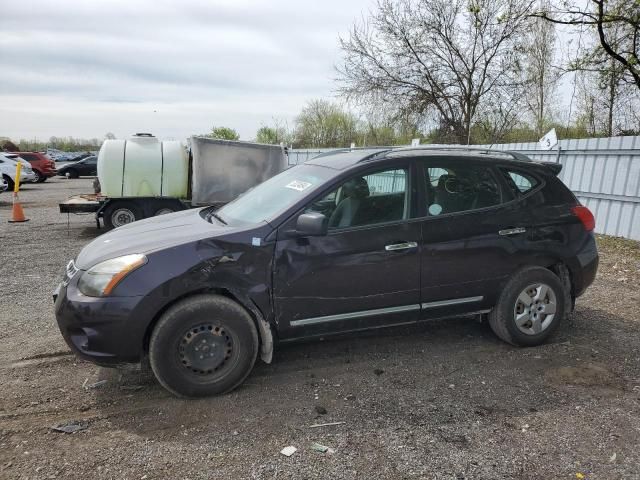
{"x":146,"y":236}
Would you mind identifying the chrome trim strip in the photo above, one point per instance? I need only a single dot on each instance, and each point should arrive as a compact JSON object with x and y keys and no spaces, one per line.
{"x":347,"y":316}
{"x":453,"y":301}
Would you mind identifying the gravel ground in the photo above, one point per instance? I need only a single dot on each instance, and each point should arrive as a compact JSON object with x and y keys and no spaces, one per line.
{"x":443,"y":400}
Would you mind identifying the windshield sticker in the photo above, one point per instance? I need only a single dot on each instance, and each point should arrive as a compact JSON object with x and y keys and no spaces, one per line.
{"x":298,"y":185}
{"x":256,"y":241}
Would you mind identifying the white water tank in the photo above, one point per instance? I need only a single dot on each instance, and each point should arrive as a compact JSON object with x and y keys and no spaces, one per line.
{"x":143,"y":166}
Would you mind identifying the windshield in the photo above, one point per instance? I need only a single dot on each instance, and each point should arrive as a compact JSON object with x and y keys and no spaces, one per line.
{"x":270,"y":198}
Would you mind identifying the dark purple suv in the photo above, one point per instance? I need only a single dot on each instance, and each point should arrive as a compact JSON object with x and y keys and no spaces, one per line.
{"x":348,"y":241}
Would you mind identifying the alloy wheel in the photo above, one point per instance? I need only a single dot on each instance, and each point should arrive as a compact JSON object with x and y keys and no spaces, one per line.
{"x":535,"y":309}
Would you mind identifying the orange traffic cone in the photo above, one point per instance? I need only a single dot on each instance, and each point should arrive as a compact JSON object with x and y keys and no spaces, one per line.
{"x":17,"y":214}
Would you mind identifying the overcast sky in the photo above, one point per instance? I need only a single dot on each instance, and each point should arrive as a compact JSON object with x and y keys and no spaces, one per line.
{"x":173,"y":68}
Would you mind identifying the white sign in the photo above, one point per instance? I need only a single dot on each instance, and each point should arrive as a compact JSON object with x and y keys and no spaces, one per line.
{"x":298,"y":185}
{"x":415,"y":142}
{"x":550,"y":140}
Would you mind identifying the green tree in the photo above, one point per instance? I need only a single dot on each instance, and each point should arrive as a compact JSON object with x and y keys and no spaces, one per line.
{"x":323,"y":124}
{"x":223,"y":133}
{"x":276,"y":134}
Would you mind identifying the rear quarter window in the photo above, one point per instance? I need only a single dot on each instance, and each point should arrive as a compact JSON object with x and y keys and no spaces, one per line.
{"x":520,"y":182}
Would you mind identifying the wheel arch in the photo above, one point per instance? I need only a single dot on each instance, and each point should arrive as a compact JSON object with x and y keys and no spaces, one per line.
{"x":265,"y":335}
{"x":559,"y":268}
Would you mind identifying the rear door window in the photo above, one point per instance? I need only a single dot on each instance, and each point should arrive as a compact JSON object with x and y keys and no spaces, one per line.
{"x":453,"y":187}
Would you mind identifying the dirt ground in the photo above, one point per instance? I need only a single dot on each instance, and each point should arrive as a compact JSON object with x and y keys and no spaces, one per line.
{"x":442,"y":400}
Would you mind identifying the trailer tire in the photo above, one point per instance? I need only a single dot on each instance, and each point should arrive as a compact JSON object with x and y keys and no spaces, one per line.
{"x":118,"y":214}
{"x":163,"y":211}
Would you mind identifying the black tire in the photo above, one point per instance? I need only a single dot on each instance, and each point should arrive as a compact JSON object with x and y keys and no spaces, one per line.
{"x":163,"y":211}
{"x":502,"y":318}
{"x":39,"y":177}
{"x":116,"y":213}
{"x":44,"y":179}
{"x":194,"y":322}
{"x":10,"y":183}
{"x":71,"y":173}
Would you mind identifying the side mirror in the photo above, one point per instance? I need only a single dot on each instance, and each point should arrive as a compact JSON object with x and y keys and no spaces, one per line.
{"x":312,"y":225}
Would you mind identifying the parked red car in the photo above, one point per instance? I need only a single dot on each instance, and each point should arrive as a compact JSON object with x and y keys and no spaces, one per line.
{"x":42,"y":165}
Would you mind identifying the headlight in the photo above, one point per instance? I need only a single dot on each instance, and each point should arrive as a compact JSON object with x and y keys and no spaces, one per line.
{"x":101,"y":279}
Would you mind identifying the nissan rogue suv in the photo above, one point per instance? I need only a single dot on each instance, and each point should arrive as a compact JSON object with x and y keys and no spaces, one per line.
{"x":348,"y":241}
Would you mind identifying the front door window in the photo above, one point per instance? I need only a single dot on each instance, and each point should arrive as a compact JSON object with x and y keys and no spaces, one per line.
{"x":370,"y":199}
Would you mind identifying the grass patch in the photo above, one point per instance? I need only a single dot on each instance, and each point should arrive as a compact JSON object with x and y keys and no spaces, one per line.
{"x":620,"y":246}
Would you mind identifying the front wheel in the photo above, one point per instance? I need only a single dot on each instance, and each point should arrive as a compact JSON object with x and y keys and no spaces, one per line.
{"x":10,"y":183}
{"x":204,"y":345}
{"x":530,"y":308}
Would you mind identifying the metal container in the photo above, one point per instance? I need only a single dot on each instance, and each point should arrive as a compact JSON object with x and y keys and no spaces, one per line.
{"x":222,"y":169}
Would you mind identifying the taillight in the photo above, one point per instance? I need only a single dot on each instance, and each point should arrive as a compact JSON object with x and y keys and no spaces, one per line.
{"x":585,"y":216}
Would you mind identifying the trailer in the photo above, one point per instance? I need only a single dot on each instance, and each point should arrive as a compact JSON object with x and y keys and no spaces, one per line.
{"x":143,"y":177}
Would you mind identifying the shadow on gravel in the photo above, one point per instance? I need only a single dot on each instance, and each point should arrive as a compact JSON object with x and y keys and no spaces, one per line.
{"x":432,"y":375}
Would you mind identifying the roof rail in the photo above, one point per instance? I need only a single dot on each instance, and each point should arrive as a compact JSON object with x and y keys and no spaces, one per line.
{"x":376,"y":151}
{"x":484,"y":151}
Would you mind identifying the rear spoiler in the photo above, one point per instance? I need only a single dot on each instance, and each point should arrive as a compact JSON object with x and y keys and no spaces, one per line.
{"x":555,"y":168}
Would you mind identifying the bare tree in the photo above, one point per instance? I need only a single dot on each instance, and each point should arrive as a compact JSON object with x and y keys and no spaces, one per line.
{"x":606,"y":104}
{"x":453,"y":60}
{"x":616,"y":23}
{"x":539,"y":71}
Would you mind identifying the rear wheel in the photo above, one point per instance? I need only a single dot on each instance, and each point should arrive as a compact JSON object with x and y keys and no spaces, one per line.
{"x":204,"y":345}
{"x":530,"y":307}
{"x":120,"y":213}
{"x":39,"y":176}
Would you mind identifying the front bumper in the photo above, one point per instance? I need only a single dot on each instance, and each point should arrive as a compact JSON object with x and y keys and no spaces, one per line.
{"x":101,"y":330}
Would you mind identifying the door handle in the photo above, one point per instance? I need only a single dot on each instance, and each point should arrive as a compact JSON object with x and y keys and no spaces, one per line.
{"x":400,"y":246}
{"x":512,"y":231}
